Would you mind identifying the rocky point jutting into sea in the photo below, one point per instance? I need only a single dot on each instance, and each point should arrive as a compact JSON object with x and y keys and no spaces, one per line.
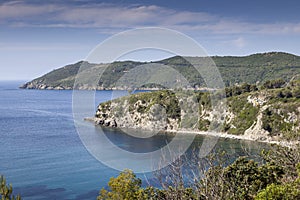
{"x":252,"y":114}
{"x":257,"y":108}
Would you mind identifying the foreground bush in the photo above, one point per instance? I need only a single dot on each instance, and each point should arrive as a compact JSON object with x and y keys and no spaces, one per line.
{"x":6,"y":190}
{"x":244,"y":179}
{"x":282,"y":191}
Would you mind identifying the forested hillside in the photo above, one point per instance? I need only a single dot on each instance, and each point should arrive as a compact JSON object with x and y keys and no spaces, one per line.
{"x":234,"y":70}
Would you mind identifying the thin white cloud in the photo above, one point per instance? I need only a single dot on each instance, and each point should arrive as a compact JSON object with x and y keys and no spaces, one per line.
{"x":17,"y":10}
{"x":37,"y":47}
{"x":239,"y":42}
{"x":112,"y":18}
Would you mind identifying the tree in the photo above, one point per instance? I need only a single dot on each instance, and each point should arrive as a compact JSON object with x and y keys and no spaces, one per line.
{"x":244,"y":178}
{"x":286,"y":157}
{"x":281,"y":191}
{"x":278,"y":192}
{"x":125,"y":187}
{"x":215,"y":178}
{"x":6,"y":191}
{"x":272,"y":84}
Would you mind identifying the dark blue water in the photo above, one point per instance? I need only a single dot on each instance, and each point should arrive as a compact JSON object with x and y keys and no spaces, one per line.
{"x":42,"y":155}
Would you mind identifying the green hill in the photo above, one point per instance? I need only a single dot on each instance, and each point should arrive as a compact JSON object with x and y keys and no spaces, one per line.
{"x":234,"y":70}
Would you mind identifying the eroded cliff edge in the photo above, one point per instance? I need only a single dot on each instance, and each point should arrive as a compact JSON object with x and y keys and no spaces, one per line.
{"x":251,"y":113}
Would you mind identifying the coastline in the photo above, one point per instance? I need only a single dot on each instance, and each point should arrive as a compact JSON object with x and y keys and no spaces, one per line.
{"x":269,"y":140}
{"x":29,"y":86}
{"x":283,"y":143}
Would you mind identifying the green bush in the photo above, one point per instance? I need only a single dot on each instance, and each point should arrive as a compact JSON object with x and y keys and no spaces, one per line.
{"x":244,"y":178}
{"x":125,"y":186}
{"x":279,"y":192}
{"x":245,"y":114}
{"x":7,"y":190}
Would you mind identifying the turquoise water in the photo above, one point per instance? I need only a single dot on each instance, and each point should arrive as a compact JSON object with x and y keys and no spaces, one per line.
{"x":42,"y":155}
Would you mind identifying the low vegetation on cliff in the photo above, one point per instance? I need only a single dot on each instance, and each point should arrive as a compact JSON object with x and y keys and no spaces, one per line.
{"x":267,"y":112}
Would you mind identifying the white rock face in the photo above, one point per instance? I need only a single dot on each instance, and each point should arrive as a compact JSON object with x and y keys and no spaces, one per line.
{"x":257,"y":100}
{"x":153,"y":117}
{"x":193,"y":116}
{"x":256,"y":132}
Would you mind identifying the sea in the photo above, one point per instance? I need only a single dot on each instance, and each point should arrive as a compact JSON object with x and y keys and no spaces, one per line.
{"x":42,"y":153}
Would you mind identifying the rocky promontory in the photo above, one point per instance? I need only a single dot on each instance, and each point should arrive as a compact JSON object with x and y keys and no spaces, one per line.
{"x":42,"y":86}
{"x":257,"y":114}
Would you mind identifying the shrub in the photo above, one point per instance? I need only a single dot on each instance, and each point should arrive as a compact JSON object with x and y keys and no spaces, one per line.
{"x":7,"y":190}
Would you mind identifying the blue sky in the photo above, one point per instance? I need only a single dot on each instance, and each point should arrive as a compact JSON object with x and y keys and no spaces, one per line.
{"x":38,"y":36}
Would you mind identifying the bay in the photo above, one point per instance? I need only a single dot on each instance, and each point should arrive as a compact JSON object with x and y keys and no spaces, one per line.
{"x":42,"y":154}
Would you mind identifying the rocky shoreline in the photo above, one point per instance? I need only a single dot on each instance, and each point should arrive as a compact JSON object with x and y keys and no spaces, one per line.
{"x":33,"y":86}
{"x":269,"y":140}
{"x":43,"y":87}
{"x":247,"y":117}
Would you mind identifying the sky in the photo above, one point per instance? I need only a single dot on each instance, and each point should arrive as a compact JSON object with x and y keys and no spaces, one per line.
{"x":39,"y":36}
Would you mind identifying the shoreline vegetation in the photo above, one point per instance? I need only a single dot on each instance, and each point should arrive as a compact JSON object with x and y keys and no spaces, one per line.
{"x":269,"y":113}
{"x":289,"y":144}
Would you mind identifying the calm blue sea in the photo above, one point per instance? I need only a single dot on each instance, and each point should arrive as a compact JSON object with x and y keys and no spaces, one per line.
{"x":41,"y":153}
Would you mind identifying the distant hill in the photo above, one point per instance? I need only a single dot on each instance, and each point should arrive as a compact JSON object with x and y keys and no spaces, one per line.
{"x":233,"y":69}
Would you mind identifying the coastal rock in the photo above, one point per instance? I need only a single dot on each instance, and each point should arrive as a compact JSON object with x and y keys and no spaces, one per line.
{"x":163,"y":111}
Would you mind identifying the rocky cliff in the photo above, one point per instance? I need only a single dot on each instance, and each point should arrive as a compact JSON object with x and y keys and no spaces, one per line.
{"x":264,"y":115}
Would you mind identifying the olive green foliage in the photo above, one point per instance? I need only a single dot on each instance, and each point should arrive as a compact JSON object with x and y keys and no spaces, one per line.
{"x":272,"y":84}
{"x":204,"y":125}
{"x":125,"y":186}
{"x":240,"y":89}
{"x":244,"y":179}
{"x":250,"y":69}
{"x":128,"y":187}
{"x":240,"y":180}
{"x":7,"y":190}
{"x":203,"y":99}
{"x":180,"y":193}
{"x":281,"y":191}
{"x":63,"y":76}
{"x":245,"y":114}
{"x":115,"y":71}
{"x":257,"y":67}
{"x":289,"y":185}
{"x":104,"y":107}
{"x":286,"y":157}
{"x":277,"y":120}
{"x":290,"y":92}
{"x":280,"y":118}
{"x":165,"y":98}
